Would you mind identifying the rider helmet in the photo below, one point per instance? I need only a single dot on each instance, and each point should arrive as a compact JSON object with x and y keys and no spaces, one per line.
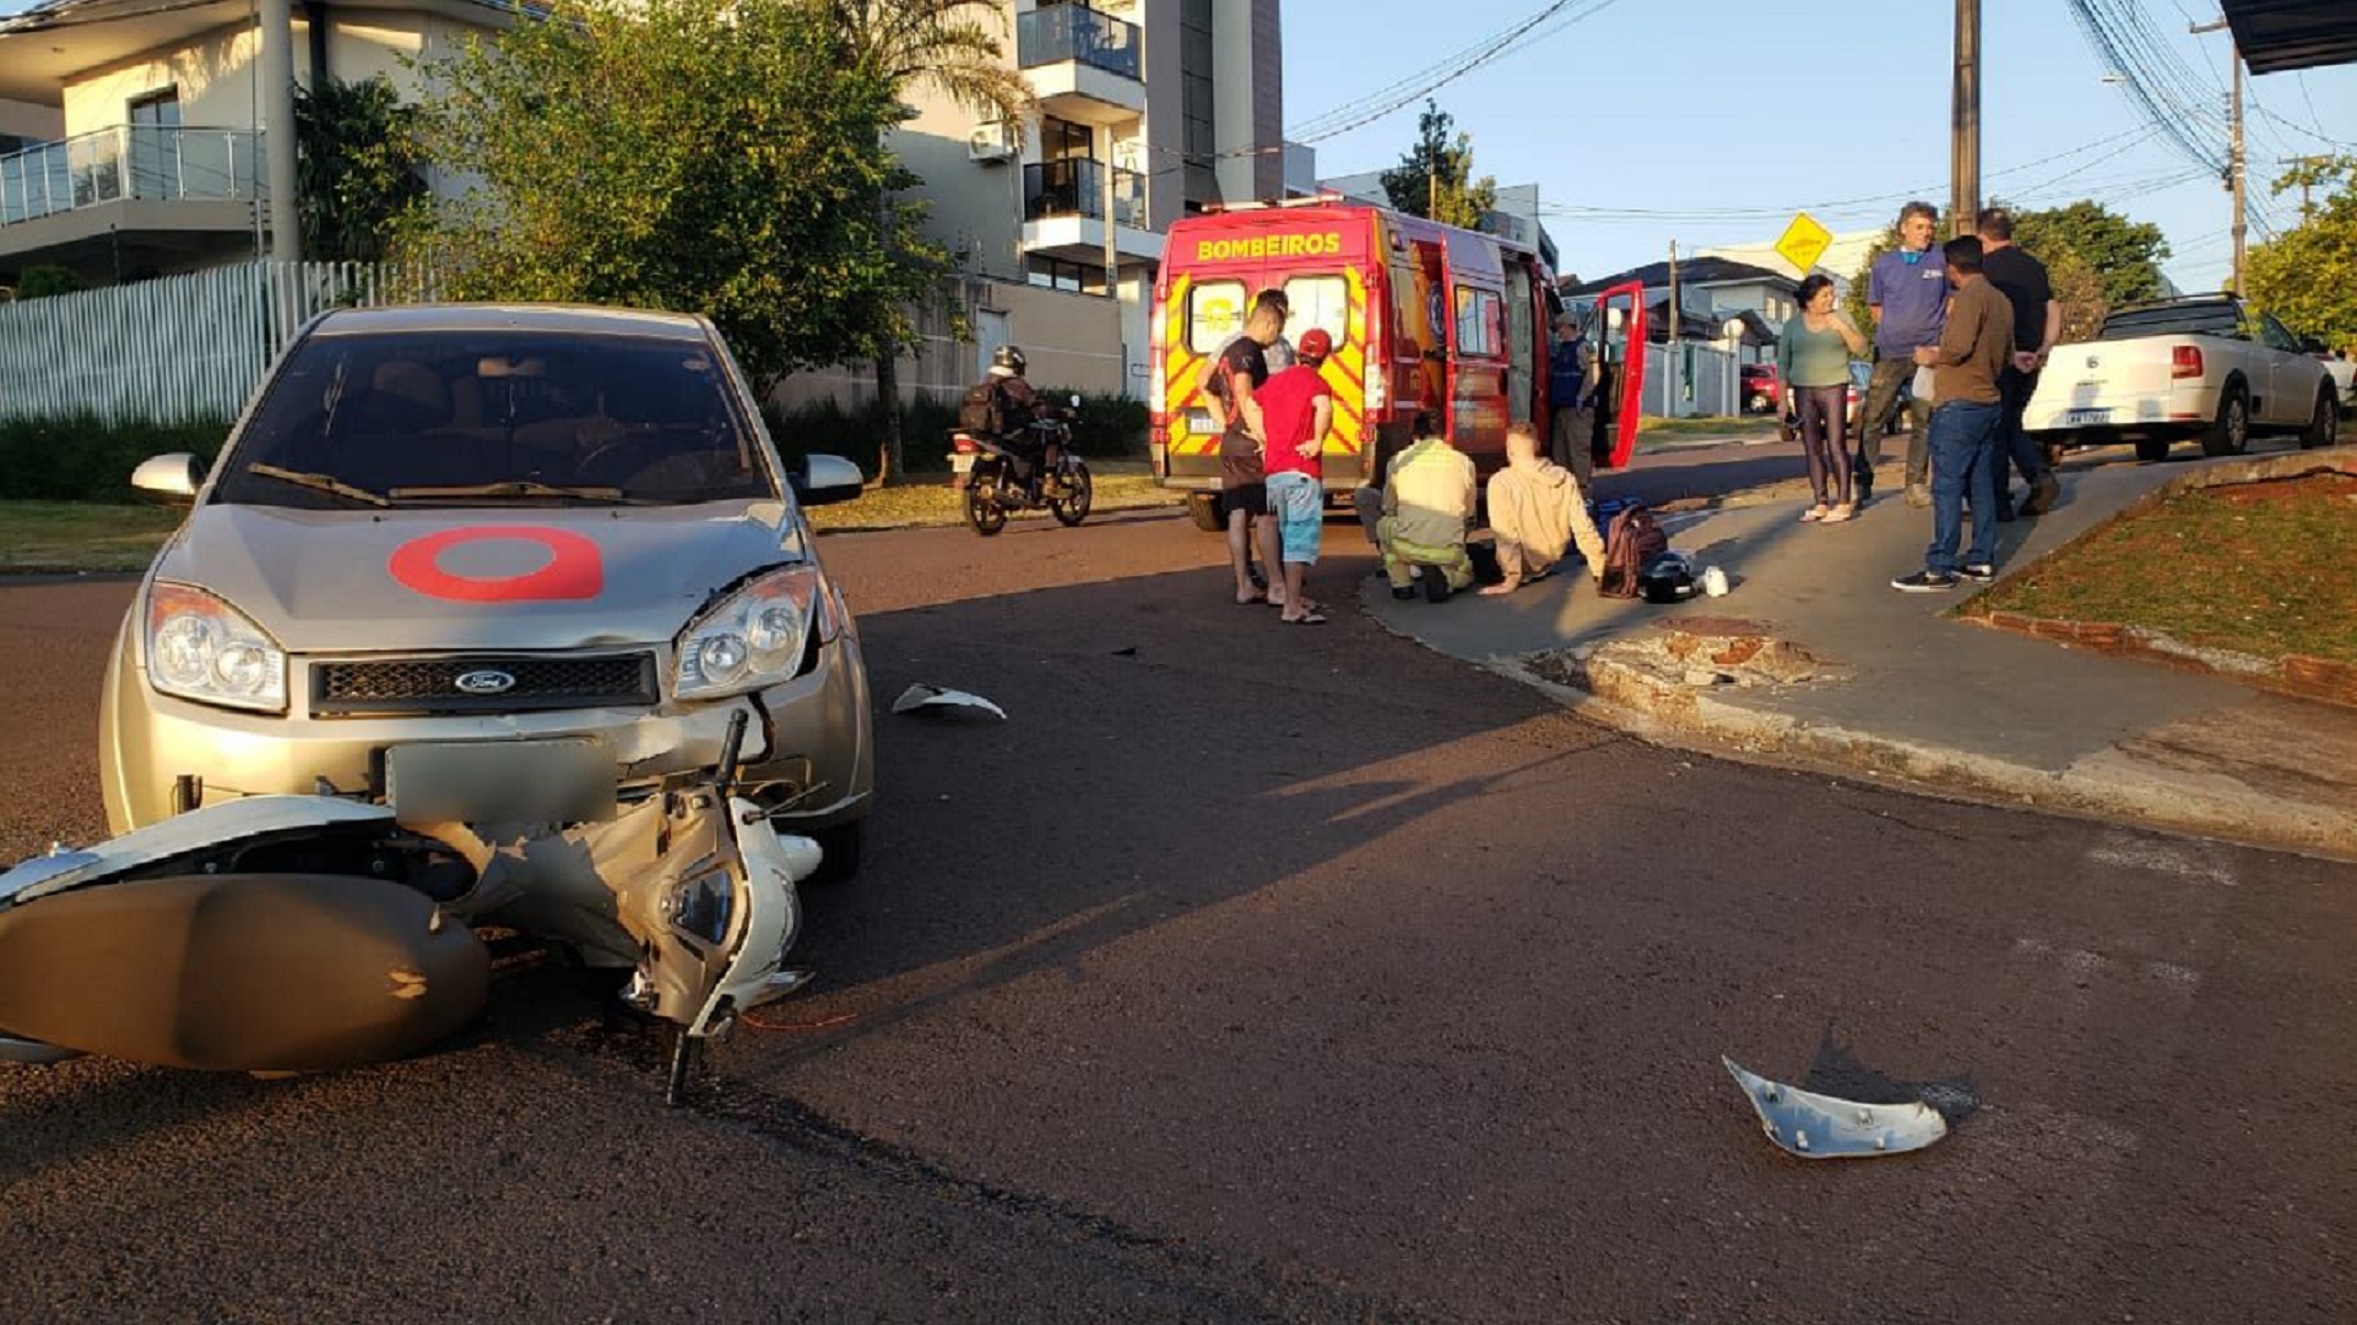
{"x":1009,"y":357}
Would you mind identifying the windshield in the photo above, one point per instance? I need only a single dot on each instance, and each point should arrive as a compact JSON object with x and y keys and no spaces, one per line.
{"x":2202,"y":319}
{"x":501,"y":417}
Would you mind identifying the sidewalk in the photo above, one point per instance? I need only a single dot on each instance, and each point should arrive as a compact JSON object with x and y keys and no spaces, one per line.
{"x":1812,"y":660}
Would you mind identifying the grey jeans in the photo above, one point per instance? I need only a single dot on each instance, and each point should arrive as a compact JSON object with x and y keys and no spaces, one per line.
{"x":1874,"y":417}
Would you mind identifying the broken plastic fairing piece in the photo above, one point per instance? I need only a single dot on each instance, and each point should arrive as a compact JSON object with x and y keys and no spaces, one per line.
{"x":922,"y":696}
{"x":1814,"y":1126}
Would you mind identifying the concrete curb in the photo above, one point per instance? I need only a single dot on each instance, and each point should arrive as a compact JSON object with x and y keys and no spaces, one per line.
{"x":2109,"y":785}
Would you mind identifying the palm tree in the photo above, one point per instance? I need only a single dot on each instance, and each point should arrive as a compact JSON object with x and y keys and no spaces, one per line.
{"x":950,"y":47}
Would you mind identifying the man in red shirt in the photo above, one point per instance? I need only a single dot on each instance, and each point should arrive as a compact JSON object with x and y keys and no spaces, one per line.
{"x":1296,"y":409}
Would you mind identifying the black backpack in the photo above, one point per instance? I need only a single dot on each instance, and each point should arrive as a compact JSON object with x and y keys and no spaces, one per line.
{"x":984,"y":409}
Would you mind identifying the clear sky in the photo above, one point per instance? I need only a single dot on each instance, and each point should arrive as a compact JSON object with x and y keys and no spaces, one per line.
{"x":1709,"y":121}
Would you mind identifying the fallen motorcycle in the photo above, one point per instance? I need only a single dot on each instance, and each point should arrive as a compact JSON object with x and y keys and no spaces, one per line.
{"x":308,"y":933}
{"x":1000,"y":480}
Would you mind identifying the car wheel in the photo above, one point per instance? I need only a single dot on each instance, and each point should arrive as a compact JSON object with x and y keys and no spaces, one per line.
{"x":840,"y":849}
{"x":2152,"y":450}
{"x":1203,"y":509}
{"x":2324,"y":429}
{"x":2230,"y":433}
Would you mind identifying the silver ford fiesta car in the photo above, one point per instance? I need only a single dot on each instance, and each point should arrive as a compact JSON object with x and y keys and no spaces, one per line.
{"x":494,"y":564}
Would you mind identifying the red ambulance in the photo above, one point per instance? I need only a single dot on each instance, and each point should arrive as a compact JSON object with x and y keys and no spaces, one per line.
{"x":1423,"y":317}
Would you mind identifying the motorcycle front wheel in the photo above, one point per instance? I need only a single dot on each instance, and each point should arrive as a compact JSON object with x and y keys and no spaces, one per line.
{"x":1071,"y":507}
{"x":982,"y":508}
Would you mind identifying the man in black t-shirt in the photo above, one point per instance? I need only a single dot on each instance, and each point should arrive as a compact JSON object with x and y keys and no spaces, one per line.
{"x":1242,"y":368}
{"x":2037,"y":325}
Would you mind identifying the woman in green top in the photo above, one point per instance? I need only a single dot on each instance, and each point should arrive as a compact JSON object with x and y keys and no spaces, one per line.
{"x":1813,"y":362}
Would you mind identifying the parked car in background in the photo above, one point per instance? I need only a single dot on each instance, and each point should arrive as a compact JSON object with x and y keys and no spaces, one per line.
{"x":2202,"y":368}
{"x":1762,"y":392}
{"x":2343,"y":372}
{"x":489,"y":553}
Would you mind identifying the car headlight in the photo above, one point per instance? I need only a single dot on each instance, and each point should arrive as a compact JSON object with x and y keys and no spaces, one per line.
{"x":755,"y":637}
{"x":201,"y":648}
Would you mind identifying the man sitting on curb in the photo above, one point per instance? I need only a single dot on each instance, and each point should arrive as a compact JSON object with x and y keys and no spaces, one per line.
{"x":1420,"y":517}
{"x":1536,"y":509}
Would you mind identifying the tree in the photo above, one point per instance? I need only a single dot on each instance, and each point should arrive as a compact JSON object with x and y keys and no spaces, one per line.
{"x":2307,"y":276}
{"x":946,"y":46}
{"x":715,"y":156}
{"x":1435,"y":178}
{"x":357,"y":166}
{"x":2125,"y":254}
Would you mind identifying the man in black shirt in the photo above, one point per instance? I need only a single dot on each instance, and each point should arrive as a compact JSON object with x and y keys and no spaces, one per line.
{"x":2037,"y":325}
{"x":1242,"y":368}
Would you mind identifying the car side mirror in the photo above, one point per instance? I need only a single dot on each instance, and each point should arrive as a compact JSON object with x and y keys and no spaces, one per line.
{"x":176,"y":476}
{"x":822,"y":480}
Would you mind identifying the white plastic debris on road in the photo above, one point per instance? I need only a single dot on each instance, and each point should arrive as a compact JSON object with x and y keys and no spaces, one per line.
{"x":1813,"y":1126}
{"x":928,"y":698}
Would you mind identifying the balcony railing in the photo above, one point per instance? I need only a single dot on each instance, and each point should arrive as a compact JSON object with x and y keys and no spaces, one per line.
{"x":1076,"y":187}
{"x":128,"y":161}
{"x":1055,"y":33}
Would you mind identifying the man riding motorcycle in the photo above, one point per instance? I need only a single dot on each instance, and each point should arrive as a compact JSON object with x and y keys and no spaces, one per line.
{"x":1004,"y":406}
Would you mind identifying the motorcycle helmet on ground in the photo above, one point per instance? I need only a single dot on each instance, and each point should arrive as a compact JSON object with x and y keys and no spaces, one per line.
{"x":1668,"y":578}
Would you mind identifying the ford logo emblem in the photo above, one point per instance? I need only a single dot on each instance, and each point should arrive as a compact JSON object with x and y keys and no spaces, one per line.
{"x":485,"y":682}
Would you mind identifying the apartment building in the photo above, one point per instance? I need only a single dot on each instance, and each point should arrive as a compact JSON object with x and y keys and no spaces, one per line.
{"x":130,"y":131}
{"x":1147,"y":110}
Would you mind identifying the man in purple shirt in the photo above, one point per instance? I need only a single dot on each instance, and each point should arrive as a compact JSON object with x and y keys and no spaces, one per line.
{"x":1908,"y":293}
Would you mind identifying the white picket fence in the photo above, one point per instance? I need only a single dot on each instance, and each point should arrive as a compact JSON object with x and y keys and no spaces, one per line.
{"x":176,"y":348}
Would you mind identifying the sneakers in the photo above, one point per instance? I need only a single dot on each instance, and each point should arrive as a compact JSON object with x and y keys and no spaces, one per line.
{"x":1924,"y":581}
{"x":2043,"y":494}
{"x":1918,"y":495}
{"x":1981,"y":573}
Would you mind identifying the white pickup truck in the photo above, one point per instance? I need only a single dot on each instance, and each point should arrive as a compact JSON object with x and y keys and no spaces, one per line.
{"x":2203,"y":368}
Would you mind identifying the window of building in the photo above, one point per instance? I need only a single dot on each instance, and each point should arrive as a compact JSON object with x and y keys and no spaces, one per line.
{"x":1058,"y":274}
{"x":1197,"y":142}
{"x":1317,"y":301}
{"x":1215,"y":311}
{"x":1479,"y":332}
{"x":1062,"y":140}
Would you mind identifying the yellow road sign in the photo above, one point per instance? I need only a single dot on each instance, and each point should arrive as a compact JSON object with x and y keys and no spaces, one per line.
{"x":1804,"y":242}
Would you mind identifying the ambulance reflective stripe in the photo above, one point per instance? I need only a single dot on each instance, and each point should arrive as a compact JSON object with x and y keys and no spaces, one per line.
{"x":1187,"y":374}
{"x":1345,"y":370}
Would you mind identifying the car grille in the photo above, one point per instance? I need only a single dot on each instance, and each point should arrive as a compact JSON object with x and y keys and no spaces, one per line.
{"x":431,"y":685}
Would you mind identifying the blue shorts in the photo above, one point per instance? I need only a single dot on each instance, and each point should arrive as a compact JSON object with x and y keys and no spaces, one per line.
{"x":1297,"y":503}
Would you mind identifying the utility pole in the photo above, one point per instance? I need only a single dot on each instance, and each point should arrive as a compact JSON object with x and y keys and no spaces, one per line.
{"x":1674,"y":391}
{"x":2234,"y":153}
{"x":1964,"y":122}
{"x":2307,"y":188}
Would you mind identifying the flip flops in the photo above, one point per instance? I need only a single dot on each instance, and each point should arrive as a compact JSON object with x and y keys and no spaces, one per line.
{"x":1312,"y":617}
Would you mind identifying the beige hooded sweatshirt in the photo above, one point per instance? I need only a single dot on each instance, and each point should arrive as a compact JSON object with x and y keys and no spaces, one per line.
{"x":1536,"y":511}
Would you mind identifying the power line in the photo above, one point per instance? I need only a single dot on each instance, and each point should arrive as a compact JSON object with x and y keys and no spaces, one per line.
{"x":1366,"y":110}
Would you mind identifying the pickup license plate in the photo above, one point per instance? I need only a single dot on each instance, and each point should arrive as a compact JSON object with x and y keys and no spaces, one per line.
{"x":556,"y":781}
{"x":2086,"y":418}
{"x":962,"y":461}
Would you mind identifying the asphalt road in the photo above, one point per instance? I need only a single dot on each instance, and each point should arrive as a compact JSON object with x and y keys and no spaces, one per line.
{"x":1258,"y":972}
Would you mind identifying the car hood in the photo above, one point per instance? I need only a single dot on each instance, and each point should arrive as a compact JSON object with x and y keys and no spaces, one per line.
{"x":475,"y":578}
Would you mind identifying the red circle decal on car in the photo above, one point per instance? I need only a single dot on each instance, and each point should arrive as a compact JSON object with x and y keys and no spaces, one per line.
{"x":574,"y":569}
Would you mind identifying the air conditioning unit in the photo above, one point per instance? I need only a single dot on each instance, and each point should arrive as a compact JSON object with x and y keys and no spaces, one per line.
{"x":992,"y":142}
